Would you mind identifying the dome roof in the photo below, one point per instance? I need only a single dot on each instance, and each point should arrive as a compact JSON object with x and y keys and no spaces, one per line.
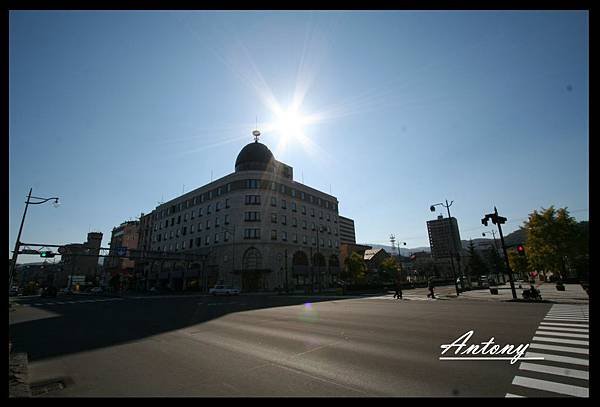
{"x":254,"y":157}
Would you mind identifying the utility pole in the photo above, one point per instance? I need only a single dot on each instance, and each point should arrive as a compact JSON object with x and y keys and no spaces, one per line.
{"x":499,"y":220}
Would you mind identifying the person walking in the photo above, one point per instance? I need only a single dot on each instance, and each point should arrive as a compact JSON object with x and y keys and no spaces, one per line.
{"x":398,"y":294}
{"x":430,"y":286}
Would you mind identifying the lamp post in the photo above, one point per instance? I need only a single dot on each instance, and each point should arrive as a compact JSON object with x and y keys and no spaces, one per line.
{"x":13,"y":264}
{"x":447,"y":206}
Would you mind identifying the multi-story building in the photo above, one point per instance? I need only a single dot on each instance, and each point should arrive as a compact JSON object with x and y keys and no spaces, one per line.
{"x":257,"y":227}
{"x":80,"y":259}
{"x":125,"y":236}
{"x":444,"y":237}
{"x":347,"y":233}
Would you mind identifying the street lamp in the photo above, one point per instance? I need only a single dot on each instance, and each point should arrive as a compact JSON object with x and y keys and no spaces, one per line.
{"x":13,"y":264}
{"x":447,"y":206}
{"x":500,"y":220}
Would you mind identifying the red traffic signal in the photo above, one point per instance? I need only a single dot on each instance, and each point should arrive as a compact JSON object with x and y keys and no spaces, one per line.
{"x":521,"y":250}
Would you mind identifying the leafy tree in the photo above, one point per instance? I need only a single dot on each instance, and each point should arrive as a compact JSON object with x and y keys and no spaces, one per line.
{"x":553,"y":238}
{"x":496,"y":262}
{"x":389,"y":270}
{"x":518,"y":264}
{"x":476,"y":265}
{"x":355,"y":268}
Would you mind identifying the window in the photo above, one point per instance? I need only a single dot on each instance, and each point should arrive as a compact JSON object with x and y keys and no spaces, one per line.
{"x":303,"y":224}
{"x":207,"y":240}
{"x":208,"y":209}
{"x":208,"y":224}
{"x":293,"y":206}
{"x":199,"y":212}
{"x":172,"y":221}
{"x":313,"y":241}
{"x":283,"y":204}
{"x":218,"y":206}
{"x":282,"y":189}
{"x":216,"y":238}
{"x":198,"y":241}
{"x":294,"y":222}
{"x":228,"y":188}
{"x":252,"y":183}
{"x":226,"y":219}
{"x":177,"y":246}
{"x":312,"y":199}
{"x":304,"y":239}
{"x":210,"y":194}
{"x":184,"y":230}
{"x":312,"y":212}
{"x":227,"y":203}
{"x":202,"y":198}
{"x":193,"y":211}
{"x":226,"y":236}
{"x":328,"y":217}
{"x":283,"y":220}
{"x":251,"y":233}
{"x":191,"y":243}
{"x":183,"y":244}
{"x":177,"y":234}
{"x":293,"y":193}
{"x":319,"y":201}
{"x":320,"y":214}
{"x":273,"y":218}
{"x":302,"y":195}
{"x":329,"y":242}
{"x":199,"y":227}
{"x":284,"y":236}
{"x":312,"y":226}
{"x":252,"y":216}
{"x":171,"y":235}
{"x":178,"y":219}
{"x":273,"y":201}
{"x":219,"y":191}
{"x":322,"y":242}
{"x":217,"y":222}
{"x":195,"y":201}
{"x":337,"y":244}
{"x":272,"y":186}
{"x":273,"y":234}
{"x":252,"y":199}
{"x":303,"y":210}
{"x":295,"y":237}
{"x":335,"y":232}
{"x":159,"y":238}
{"x":191,"y":229}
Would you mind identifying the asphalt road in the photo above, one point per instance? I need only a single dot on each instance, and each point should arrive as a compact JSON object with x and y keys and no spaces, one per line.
{"x":266,"y":345}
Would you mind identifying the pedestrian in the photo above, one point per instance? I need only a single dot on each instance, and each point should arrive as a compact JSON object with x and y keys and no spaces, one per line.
{"x":398,"y":294}
{"x":431,"y":286}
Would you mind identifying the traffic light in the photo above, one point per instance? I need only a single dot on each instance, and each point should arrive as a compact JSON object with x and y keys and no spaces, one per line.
{"x":521,"y":250}
{"x":47,"y":254}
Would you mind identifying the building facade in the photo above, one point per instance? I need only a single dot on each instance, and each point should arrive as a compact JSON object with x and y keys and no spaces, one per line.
{"x":126,"y":235}
{"x":80,"y":259}
{"x":444,"y":237}
{"x":347,"y":232}
{"x":256,"y":229}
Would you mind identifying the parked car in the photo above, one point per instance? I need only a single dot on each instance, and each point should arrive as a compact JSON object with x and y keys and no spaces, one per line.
{"x":224,"y":290}
{"x":484,"y":282}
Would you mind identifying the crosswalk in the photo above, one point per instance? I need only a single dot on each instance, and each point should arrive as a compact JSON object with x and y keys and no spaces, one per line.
{"x":43,"y":304}
{"x":412,"y":297}
{"x":562,"y":339}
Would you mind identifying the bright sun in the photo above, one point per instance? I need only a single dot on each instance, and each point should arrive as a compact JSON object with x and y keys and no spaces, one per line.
{"x":290,"y":124}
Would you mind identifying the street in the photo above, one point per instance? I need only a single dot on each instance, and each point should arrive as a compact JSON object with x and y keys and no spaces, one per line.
{"x":257,"y":345}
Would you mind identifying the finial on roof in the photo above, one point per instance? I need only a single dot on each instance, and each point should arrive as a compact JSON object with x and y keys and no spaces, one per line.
{"x":256,"y":135}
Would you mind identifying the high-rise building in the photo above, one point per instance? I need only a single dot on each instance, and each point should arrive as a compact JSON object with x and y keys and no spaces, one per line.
{"x":347,"y":234}
{"x":80,"y":259}
{"x":444,"y":237}
{"x":257,"y":227}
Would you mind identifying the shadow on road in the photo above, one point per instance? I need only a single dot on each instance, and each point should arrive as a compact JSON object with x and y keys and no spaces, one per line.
{"x":89,"y":326}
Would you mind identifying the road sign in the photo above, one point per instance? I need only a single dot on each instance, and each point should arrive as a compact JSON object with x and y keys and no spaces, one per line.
{"x":29,"y":251}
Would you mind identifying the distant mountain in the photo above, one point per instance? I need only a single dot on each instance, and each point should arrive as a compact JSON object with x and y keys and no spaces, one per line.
{"x":403,"y":251}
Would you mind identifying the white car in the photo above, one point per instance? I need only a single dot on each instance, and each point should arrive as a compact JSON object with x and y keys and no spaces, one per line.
{"x":224,"y":290}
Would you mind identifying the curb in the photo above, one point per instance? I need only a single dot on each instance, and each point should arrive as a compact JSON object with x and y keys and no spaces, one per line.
{"x":18,"y":376}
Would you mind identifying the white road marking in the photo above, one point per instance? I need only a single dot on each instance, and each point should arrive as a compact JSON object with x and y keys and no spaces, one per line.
{"x":553,"y":387}
{"x":562,"y":324}
{"x":559,"y":371}
{"x":564,"y":334}
{"x":560,"y":340}
{"x":512,"y":395}
{"x":562,"y":359}
{"x":567,"y":349}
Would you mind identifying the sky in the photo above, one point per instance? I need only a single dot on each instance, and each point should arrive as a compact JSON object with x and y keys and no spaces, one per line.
{"x":393,"y":111}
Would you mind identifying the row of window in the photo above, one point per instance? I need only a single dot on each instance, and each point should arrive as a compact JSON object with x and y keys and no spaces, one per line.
{"x":246,"y":184}
{"x":249,"y":234}
{"x":255,"y":200}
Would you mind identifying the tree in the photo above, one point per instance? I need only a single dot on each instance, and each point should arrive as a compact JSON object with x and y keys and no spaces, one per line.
{"x":553,"y":239}
{"x":355,"y":268}
{"x":476,"y":265}
{"x":518,"y":264}
{"x":496,"y":262}
{"x":389,"y":270}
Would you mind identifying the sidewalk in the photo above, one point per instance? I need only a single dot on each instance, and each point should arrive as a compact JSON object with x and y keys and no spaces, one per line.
{"x":573,"y":294}
{"x":18,"y":375}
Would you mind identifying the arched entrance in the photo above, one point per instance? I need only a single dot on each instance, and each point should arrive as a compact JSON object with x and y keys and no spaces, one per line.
{"x":252,"y":262}
{"x":300,"y":269}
